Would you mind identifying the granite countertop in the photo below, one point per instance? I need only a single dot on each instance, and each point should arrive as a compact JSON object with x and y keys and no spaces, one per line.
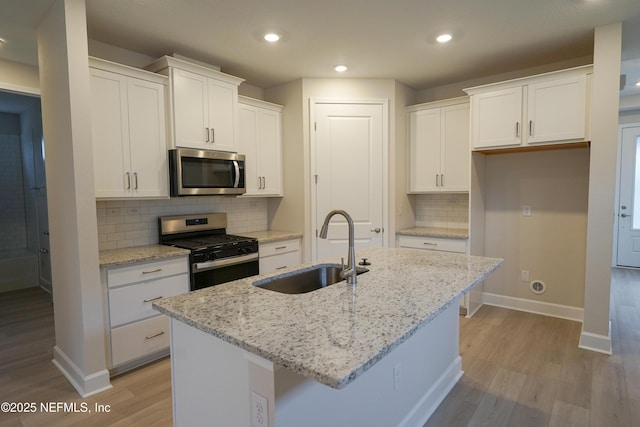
{"x":124,"y":256}
{"x":334,"y":334}
{"x":269,"y":236}
{"x":449,"y":233}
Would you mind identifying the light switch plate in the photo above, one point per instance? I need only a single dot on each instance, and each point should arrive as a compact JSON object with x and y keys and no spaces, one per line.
{"x":526,"y":210}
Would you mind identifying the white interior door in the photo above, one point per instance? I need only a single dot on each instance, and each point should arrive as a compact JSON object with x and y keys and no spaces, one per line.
{"x":629,"y":209}
{"x":349,"y":174}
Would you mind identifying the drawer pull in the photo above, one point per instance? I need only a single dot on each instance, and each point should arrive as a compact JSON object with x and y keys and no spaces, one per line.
{"x":281,"y":268}
{"x":150,"y":337}
{"x":430,"y":243}
{"x":152,"y":271}
{"x":153,"y":299}
{"x":281,"y":247}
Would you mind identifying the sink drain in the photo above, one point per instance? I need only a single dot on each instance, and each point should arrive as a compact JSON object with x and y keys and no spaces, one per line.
{"x":537,"y":287}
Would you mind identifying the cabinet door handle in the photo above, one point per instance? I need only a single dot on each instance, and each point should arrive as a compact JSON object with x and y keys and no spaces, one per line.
{"x":517,"y":129}
{"x":279,"y":248}
{"x":128,"y":180}
{"x":264,"y":182}
{"x":148,"y":337}
{"x":281,"y":268}
{"x":437,"y":182}
{"x":530,"y":127}
{"x":152,"y":299}
{"x":152,"y":271}
{"x":207,"y":132}
{"x":441,"y":180}
{"x":213,"y":135}
{"x":135,"y":180}
{"x":430,"y":244}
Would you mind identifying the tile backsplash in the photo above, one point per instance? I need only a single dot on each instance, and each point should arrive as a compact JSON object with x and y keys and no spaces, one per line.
{"x":448,"y":210}
{"x":127,"y":223}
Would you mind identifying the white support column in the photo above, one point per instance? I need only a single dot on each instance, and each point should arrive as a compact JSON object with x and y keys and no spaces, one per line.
{"x":596,"y":334}
{"x":78,"y":310}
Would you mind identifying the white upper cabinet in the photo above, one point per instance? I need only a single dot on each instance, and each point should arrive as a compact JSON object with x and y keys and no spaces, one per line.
{"x":204,"y":105}
{"x":439,"y":146}
{"x":551,"y":108}
{"x":128,"y":131}
{"x":260,"y":140}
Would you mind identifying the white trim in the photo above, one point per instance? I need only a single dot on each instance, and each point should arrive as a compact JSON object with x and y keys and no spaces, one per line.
{"x":596,"y":342}
{"x":432,"y":398}
{"x":85,"y":385}
{"x":22,"y":90}
{"x":536,"y":307}
{"x":313,"y":101}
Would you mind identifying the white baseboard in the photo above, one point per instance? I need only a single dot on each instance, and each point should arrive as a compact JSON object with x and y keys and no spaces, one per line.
{"x":536,"y":307}
{"x":85,"y":385}
{"x":596,"y":342}
{"x":430,"y":401}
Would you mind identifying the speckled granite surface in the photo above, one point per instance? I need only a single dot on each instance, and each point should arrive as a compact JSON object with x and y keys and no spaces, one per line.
{"x":272,"y":235}
{"x":449,"y":233}
{"x":334,"y":334}
{"x":116,"y":257}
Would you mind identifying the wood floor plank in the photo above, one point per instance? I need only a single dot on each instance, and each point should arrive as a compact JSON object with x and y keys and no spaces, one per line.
{"x":535,"y":402}
{"x":567,"y":415}
{"x":497,"y":404}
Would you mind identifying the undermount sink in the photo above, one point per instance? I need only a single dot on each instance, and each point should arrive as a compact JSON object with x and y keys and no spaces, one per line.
{"x":306,"y":280}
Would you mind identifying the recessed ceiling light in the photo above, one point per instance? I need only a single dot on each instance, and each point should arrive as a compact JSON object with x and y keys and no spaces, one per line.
{"x":272,"y":37}
{"x":341,"y":68}
{"x":638,"y":84}
{"x":443,"y":38}
{"x":2,"y":41}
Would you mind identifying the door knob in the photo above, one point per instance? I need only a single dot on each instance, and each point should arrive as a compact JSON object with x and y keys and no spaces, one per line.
{"x":624,"y":215}
{"x":376,"y":230}
{"x":44,"y":251}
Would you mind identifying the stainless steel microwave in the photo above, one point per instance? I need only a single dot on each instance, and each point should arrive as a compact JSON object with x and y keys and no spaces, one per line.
{"x":205,"y":172}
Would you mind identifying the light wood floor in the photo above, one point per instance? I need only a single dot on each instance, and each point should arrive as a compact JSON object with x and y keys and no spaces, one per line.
{"x":520,"y":370}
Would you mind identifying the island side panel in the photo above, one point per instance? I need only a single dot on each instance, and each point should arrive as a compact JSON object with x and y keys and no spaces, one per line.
{"x":427,"y":365}
{"x":210,"y":380}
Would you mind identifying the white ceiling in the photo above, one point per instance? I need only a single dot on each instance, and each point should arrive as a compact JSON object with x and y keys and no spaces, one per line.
{"x":375,"y":38}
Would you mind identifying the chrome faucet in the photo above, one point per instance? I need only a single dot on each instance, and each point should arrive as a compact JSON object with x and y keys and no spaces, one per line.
{"x":350,"y":272}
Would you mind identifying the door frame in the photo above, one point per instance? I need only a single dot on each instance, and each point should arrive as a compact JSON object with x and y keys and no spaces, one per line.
{"x":315,"y":225}
{"x":616,"y":225}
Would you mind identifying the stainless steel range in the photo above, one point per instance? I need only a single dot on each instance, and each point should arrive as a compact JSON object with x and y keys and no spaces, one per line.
{"x":216,"y":257}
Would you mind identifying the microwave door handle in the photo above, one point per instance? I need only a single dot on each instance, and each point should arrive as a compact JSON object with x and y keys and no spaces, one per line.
{"x":237,"y":169}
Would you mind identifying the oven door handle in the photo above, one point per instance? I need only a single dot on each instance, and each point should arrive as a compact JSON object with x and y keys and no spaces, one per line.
{"x":220,"y":263}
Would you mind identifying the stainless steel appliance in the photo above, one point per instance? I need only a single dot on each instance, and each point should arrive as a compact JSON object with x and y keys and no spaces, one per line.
{"x":205,"y":172}
{"x":216,"y":257}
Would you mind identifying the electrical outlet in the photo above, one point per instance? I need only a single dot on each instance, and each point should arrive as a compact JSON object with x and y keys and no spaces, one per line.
{"x":259,"y":410}
{"x":396,"y":377}
{"x":524,"y":276}
{"x":526,"y":210}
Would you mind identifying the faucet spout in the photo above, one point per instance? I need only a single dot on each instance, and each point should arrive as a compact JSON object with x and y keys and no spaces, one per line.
{"x":350,"y":272}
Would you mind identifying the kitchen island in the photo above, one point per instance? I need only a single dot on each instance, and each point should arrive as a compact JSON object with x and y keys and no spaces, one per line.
{"x":384,"y":353}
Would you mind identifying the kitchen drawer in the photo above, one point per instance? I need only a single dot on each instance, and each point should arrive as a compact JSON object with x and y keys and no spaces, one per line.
{"x":133,"y":302}
{"x":139,"y":339}
{"x":276,"y":248}
{"x":146,"y":271}
{"x":278,"y":262}
{"x":433,"y":243}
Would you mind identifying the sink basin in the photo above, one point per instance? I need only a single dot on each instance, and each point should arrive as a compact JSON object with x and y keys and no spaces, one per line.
{"x":307,"y":280}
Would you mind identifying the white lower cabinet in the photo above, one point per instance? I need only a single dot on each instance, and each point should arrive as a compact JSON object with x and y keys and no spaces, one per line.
{"x":136,"y":332}
{"x":279,"y":255}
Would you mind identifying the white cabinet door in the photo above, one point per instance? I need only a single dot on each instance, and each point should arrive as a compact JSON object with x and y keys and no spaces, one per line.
{"x":260,"y":140}
{"x":557,"y":110}
{"x":222,"y":99}
{"x":497,"y":118}
{"x":148,"y":140}
{"x":439,"y":149}
{"x":270,"y":149}
{"x":190,"y":110}
{"x":455,"y":148}
{"x":110,"y":134}
{"x":424,"y":150}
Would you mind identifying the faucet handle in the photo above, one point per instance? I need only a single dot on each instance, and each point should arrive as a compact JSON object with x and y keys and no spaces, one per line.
{"x":342,"y":262}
